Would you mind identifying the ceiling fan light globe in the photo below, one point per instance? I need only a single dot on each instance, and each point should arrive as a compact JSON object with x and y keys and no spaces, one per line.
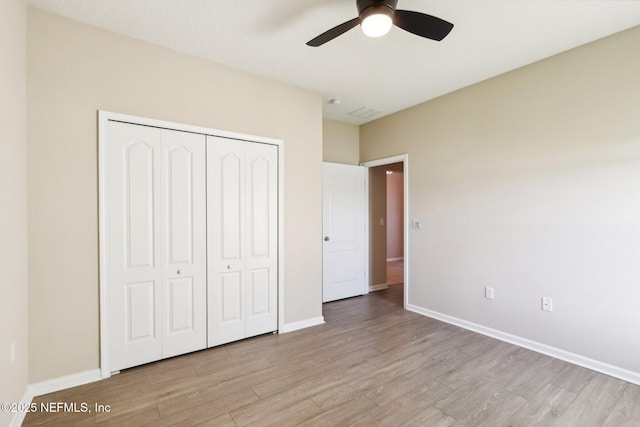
{"x":376,"y":21}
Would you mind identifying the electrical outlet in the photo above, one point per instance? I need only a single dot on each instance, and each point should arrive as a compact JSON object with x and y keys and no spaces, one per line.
{"x":13,"y":351}
{"x":488,"y":292}
{"x":547,"y":304}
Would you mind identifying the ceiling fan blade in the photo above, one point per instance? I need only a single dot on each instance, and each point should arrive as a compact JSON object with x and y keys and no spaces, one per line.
{"x":422,"y":25}
{"x":333,"y":33}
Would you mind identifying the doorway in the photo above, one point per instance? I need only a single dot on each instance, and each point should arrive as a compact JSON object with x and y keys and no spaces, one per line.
{"x":395,"y":223}
{"x":388,"y":230}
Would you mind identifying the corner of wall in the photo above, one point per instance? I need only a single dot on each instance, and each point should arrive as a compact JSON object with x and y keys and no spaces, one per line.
{"x":13,"y":215}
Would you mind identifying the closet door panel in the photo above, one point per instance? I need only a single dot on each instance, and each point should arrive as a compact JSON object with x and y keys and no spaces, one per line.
{"x":259,"y":292}
{"x":181,"y":311}
{"x":230,"y":203}
{"x":180,"y":204}
{"x":135,"y":271}
{"x":262,"y":238}
{"x":184,"y":237}
{"x":139,"y":204}
{"x":230,"y":304}
{"x":140,"y":313}
{"x":225,"y":240}
{"x":259,"y":212}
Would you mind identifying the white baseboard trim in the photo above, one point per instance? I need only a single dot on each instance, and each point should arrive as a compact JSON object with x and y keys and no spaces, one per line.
{"x":381,"y":286}
{"x":52,"y":385}
{"x":307,"y":323}
{"x":62,"y":383}
{"x":18,"y":417}
{"x":399,"y":258}
{"x":576,"y":359}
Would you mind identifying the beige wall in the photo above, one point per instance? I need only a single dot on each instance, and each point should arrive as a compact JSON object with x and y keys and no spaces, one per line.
{"x":13,"y":204}
{"x":73,"y":71}
{"x":530,"y":183}
{"x":340,"y":142}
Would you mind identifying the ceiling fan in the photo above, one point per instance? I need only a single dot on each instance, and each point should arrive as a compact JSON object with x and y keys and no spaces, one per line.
{"x":376,"y":17}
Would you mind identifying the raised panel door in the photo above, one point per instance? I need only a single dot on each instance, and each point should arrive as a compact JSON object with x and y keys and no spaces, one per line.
{"x":184,"y":243}
{"x":134,"y":203}
{"x":225,"y":240}
{"x":262,"y":238}
{"x":343,"y":255}
{"x":242,"y":239}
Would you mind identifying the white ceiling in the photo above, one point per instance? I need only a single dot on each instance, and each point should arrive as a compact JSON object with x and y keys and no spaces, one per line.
{"x":267,"y":37}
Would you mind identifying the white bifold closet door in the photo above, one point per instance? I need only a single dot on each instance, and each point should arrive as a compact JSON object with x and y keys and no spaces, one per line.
{"x":242,"y":248}
{"x":156,"y":243}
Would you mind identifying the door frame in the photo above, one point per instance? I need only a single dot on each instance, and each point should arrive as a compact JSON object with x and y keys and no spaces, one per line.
{"x":104,"y":117}
{"x":404,"y":159}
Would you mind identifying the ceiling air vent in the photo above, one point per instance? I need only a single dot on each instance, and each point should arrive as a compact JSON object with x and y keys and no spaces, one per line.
{"x":364,"y":113}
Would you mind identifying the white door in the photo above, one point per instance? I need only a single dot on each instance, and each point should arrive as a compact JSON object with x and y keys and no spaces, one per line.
{"x":225,"y":235}
{"x":344,"y":244}
{"x":156,"y":241}
{"x":242,"y":241}
{"x":184,"y":243}
{"x":261,"y":238}
{"x":134,"y":244}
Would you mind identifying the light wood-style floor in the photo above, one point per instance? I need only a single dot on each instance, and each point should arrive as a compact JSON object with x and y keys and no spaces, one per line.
{"x":372,"y":363}
{"x":395,"y":272}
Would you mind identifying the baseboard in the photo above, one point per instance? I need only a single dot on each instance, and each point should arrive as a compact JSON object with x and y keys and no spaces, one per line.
{"x":18,"y":417}
{"x":62,"y":383}
{"x":381,"y":286}
{"x":576,"y":359}
{"x":307,"y":323}
{"x":400,"y":258}
{"x":50,"y":386}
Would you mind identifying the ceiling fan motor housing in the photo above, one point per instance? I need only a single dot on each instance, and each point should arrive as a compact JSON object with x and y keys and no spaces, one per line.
{"x":371,"y":6}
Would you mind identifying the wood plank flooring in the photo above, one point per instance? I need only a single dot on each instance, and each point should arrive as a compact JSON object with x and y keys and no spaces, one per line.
{"x":395,"y":272}
{"x":371,"y":364}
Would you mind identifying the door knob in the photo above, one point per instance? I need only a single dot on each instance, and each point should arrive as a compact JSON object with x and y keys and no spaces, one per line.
{"x":229,"y":267}
{"x":179,"y":271}
{"x":326,"y":238}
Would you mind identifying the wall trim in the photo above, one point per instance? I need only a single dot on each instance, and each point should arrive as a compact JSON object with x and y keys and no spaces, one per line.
{"x":381,"y":286}
{"x":62,"y":383}
{"x":302,"y":324}
{"x":53,"y":385}
{"x":567,"y":356}
{"x":18,"y":417}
